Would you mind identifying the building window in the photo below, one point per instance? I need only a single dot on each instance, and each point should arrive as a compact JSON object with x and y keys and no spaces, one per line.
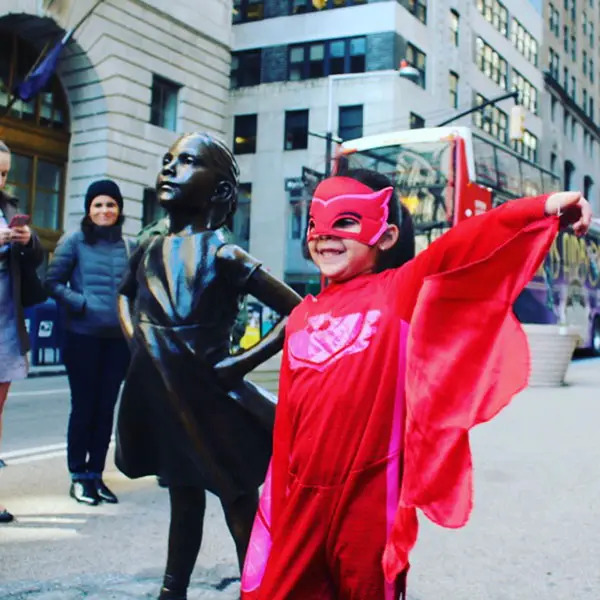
{"x":588,"y":184}
{"x":584,"y":65}
{"x":524,"y":42}
{"x":528,"y":146}
{"x":416,"y":121}
{"x":152,"y":210}
{"x":244,"y":134}
{"x":248,"y":10}
{"x":495,"y":13}
{"x":303,"y":6}
{"x":584,"y":22}
{"x":350,"y":122}
{"x":296,"y":130}
{"x":491,"y":119}
{"x":554,"y":64}
{"x":553,"y":162}
{"x":527,"y":93}
{"x":418,"y":8}
{"x":454,"y":24}
{"x":554,"y":20}
{"x":491,"y":63}
{"x":574,"y":89}
{"x":553,"y":104}
{"x":163,"y":106}
{"x":245,"y":68}
{"x":573,"y":10}
{"x":573,"y":129}
{"x":566,"y":38}
{"x":569,"y":179}
{"x":565,"y":122}
{"x":453,"y":86}
{"x":591,"y":28}
{"x":320,"y":59}
{"x":591,"y":70}
{"x":573,"y":47}
{"x":417,"y":59}
{"x":38,"y":134}
{"x":584,"y":101}
{"x":239,"y":222}
{"x":566,"y":79}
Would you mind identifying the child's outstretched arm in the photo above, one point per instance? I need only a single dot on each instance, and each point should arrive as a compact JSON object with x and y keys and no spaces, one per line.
{"x":477,"y":238}
{"x":467,"y":354}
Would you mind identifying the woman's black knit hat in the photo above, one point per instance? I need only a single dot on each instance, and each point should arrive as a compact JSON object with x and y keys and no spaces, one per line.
{"x":103,"y":187}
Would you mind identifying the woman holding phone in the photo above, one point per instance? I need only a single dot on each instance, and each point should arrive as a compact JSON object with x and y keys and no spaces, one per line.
{"x":18,"y":245}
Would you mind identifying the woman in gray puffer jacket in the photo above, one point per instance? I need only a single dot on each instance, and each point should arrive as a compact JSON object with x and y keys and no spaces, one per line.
{"x":83,"y":277}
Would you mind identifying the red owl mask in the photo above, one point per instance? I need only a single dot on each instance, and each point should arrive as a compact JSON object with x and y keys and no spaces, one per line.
{"x":337,"y":198}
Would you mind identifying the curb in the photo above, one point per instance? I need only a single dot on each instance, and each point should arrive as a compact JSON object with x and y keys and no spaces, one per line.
{"x":54,"y":373}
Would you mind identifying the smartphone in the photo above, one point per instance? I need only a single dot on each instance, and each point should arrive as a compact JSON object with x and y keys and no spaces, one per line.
{"x":19,"y":221}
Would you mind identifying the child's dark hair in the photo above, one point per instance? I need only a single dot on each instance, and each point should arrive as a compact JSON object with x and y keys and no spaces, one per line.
{"x":223,"y":161}
{"x":404,"y":249}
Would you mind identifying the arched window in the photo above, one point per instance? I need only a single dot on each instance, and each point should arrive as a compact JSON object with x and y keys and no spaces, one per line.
{"x":588,"y":184}
{"x":37,"y":133}
{"x":569,"y":175}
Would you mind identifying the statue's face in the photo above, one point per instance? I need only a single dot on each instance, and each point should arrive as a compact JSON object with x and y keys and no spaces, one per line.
{"x":187,"y":178}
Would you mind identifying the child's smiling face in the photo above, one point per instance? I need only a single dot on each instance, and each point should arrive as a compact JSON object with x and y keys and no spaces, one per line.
{"x":340,"y":259}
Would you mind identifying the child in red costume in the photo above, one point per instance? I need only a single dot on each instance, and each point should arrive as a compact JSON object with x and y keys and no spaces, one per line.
{"x":383,"y":374}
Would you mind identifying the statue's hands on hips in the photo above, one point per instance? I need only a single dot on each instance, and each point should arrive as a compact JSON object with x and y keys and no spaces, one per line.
{"x":230,"y":371}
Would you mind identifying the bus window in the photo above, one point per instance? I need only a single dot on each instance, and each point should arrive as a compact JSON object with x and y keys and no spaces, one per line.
{"x":485,"y":162}
{"x":509,"y":173}
{"x":532,"y":179}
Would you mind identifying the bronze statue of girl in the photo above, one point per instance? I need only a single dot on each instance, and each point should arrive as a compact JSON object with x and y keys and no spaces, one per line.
{"x":186,"y":413}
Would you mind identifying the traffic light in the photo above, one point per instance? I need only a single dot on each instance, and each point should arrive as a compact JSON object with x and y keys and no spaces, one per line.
{"x":517,"y":123}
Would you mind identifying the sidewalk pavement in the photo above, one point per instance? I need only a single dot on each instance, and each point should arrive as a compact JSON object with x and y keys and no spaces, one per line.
{"x":531,"y":534}
{"x":218,"y":583}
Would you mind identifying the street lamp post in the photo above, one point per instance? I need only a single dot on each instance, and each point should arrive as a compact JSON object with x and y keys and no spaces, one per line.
{"x":406,"y":71}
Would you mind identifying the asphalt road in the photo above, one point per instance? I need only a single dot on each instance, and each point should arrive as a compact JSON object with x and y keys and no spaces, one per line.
{"x":534,"y":532}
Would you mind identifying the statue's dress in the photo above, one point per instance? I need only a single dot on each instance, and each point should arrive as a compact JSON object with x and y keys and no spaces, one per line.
{"x":175,"y":419}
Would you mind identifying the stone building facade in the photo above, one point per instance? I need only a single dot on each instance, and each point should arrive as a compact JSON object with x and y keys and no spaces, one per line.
{"x":135,"y":73}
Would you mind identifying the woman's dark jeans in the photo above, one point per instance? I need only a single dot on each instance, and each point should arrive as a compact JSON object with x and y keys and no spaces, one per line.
{"x":96,"y":367}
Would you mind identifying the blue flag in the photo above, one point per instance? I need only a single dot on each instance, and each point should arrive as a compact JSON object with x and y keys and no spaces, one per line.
{"x":39,"y":77}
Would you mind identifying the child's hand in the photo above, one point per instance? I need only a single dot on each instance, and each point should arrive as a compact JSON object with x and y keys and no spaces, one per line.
{"x":572,"y":208}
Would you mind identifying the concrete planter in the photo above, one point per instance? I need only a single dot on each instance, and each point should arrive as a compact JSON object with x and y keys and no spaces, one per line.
{"x":551,"y":348}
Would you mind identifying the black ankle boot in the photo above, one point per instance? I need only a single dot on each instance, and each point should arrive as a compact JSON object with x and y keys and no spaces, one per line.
{"x":84,"y":491}
{"x":104,"y":493}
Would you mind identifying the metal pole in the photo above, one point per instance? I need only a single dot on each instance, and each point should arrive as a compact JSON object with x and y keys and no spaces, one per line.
{"x":473,"y":109}
{"x":329,"y":132}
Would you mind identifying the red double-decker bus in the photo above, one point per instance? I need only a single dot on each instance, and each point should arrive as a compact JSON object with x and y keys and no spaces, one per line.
{"x":447,"y":174}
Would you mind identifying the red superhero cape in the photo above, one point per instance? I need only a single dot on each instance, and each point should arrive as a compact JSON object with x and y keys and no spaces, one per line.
{"x":462,"y":369}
